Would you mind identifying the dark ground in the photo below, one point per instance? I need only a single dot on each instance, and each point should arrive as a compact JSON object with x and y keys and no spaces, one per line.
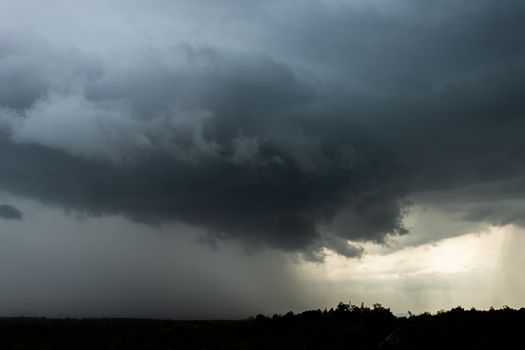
{"x":345,"y":327}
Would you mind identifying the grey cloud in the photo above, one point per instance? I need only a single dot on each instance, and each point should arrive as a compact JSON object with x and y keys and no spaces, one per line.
{"x":403,"y":46}
{"x":315,"y":132}
{"x":10,"y":213}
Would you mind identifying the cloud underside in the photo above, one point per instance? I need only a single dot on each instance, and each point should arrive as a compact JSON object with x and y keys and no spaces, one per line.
{"x":306,"y":142}
{"x":10,"y":212}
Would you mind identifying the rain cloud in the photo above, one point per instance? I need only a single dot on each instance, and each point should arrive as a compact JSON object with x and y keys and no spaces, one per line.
{"x":301,"y":134}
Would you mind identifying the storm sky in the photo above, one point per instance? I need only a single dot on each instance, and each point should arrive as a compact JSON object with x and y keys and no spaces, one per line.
{"x":191,"y":159}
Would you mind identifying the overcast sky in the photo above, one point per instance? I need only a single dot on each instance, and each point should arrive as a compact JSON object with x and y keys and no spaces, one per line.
{"x":194,"y":159}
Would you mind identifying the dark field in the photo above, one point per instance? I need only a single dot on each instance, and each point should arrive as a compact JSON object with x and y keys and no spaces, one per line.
{"x":345,"y":327}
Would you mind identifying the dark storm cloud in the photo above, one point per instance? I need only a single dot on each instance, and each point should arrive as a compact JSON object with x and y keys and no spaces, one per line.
{"x":9,"y":212}
{"x":315,"y":137}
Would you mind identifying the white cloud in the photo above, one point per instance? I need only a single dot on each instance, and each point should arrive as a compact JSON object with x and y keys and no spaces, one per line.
{"x":107,"y":130}
{"x":474,"y":270}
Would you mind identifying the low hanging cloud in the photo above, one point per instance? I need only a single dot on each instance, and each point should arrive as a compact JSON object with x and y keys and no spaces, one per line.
{"x":305,"y":141}
{"x":8,"y":212}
